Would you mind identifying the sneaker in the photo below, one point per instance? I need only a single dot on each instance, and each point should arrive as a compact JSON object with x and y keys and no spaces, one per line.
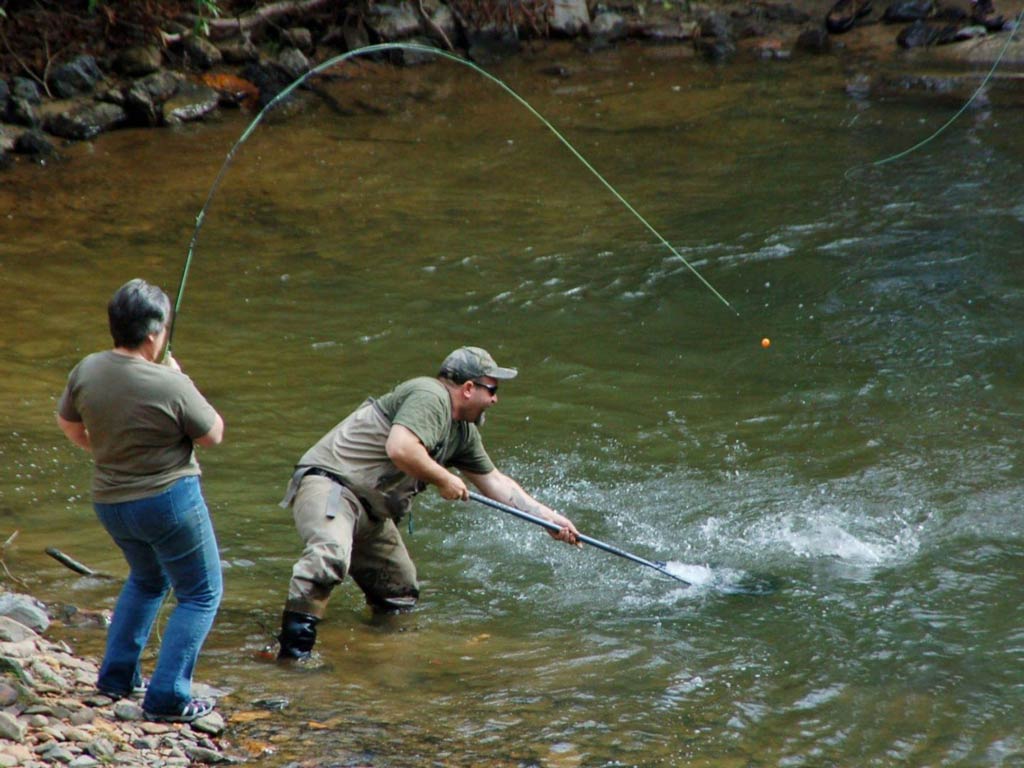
{"x":194,"y":710}
{"x":137,"y":691}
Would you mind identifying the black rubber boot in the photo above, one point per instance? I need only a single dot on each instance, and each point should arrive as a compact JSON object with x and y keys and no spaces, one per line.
{"x":298,"y":635}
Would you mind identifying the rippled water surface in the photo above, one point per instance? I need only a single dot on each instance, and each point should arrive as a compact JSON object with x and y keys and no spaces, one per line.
{"x":847,"y":502}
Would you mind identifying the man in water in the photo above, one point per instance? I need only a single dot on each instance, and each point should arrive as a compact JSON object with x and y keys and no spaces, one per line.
{"x":350,"y":489}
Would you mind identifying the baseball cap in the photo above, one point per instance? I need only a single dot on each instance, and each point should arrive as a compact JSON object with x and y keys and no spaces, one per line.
{"x":473,"y":362}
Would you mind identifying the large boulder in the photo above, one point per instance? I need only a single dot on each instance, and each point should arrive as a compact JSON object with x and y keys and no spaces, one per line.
{"x":27,"y":90}
{"x":78,"y":76}
{"x":25,"y":610}
{"x":270,"y":80}
{"x":814,"y":40}
{"x":298,"y":37}
{"x":608,"y":26}
{"x":23,"y":101}
{"x":391,"y":22}
{"x":238,"y":50}
{"x":201,"y":53}
{"x":716,"y":40}
{"x":568,"y":17}
{"x":443,"y":27}
{"x":293,"y":62}
{"x":33,"y":142}
{"x":138,"y":61}
{"x":13,"y":631}
{"x":22,"y":112}
{"x":82,"y":121}
{"x":143,"y":101}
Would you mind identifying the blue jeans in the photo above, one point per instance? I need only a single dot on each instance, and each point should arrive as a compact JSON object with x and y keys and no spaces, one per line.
{"x":168,"y":541}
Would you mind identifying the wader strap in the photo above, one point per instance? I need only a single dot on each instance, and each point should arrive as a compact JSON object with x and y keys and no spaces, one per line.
{"x":293,"y":486}
{"x":333,"y":499}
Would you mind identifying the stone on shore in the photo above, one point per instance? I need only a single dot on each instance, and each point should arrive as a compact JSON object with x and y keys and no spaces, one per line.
{"x":52,"y":714}
{"x":70,"y":120}
{"x":191,"y":102}
{"x":24,"y":610}
{"x":78,"y":76}
{"x":569,"y":17}
{"x":138,"y":61}
{"x":166,"y":80}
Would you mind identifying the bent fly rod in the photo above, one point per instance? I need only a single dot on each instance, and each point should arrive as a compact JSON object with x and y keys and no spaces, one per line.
{"x":426,"y":49}
{"x":657,"y":565}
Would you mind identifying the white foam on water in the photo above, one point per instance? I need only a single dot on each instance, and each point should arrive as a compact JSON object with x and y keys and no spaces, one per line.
{"x":828,"y":531}
{"x":706,"y":578}
{"x":695,"y":575}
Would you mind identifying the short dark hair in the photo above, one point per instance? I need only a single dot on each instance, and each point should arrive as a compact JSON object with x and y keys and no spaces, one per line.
{"x":135,"y":311}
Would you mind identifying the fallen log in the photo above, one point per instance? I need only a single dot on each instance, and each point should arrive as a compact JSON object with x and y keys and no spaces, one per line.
{"x":219,"y":29}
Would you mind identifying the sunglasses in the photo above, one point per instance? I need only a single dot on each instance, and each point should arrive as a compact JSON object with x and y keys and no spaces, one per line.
{"x":492,"y":388}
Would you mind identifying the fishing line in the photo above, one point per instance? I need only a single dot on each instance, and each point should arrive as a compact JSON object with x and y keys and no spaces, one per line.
{"x":954,"y":118}
{"x":201,"y":216}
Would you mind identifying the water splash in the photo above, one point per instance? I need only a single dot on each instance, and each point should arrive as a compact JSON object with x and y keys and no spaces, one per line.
{"x":732,"y":581}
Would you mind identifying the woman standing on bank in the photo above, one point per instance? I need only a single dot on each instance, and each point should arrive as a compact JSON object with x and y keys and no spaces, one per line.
{"x":140,"y":420}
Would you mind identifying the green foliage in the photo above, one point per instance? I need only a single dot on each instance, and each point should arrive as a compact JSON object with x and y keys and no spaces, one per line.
{"x":205,"y":9}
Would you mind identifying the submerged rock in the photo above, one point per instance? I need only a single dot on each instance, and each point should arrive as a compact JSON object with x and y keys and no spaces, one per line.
{"x":488,"y":46}
{"x":909,"y":10}
{"x":814,"y":40}
{"x":716,"y":40}
{"x":35,"y":143}
{"x":191,"y":102}
{"x":144,"y":100}
{"x":83,"y":121}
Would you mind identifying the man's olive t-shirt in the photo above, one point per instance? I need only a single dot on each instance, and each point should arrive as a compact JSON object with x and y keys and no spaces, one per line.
{"x":424,"y":406}
{"x":141,"y":418}
{"x":355,"y":449}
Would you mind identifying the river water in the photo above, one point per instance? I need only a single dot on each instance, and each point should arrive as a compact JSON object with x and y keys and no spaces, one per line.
{"x":847,"y":501}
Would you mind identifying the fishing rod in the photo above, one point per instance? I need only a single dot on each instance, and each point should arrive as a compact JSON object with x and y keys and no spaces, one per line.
{"x":419,"y":48}
{"x":657,"y":565}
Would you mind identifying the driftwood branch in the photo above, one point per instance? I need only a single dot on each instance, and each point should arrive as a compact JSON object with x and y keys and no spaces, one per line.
{"x":70,"y":562}
{"x":3,"y":553}
{"x":221,"y":28}
{"x":30,"y":72}
{"x":433,"y":25}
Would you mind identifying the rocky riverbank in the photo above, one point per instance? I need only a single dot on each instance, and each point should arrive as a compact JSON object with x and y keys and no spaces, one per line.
{"x":187,"y":68}
{"x":52,"y":714}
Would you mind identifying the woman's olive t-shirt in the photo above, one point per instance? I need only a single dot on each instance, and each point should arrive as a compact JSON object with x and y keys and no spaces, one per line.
{"x":141,"y":417}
